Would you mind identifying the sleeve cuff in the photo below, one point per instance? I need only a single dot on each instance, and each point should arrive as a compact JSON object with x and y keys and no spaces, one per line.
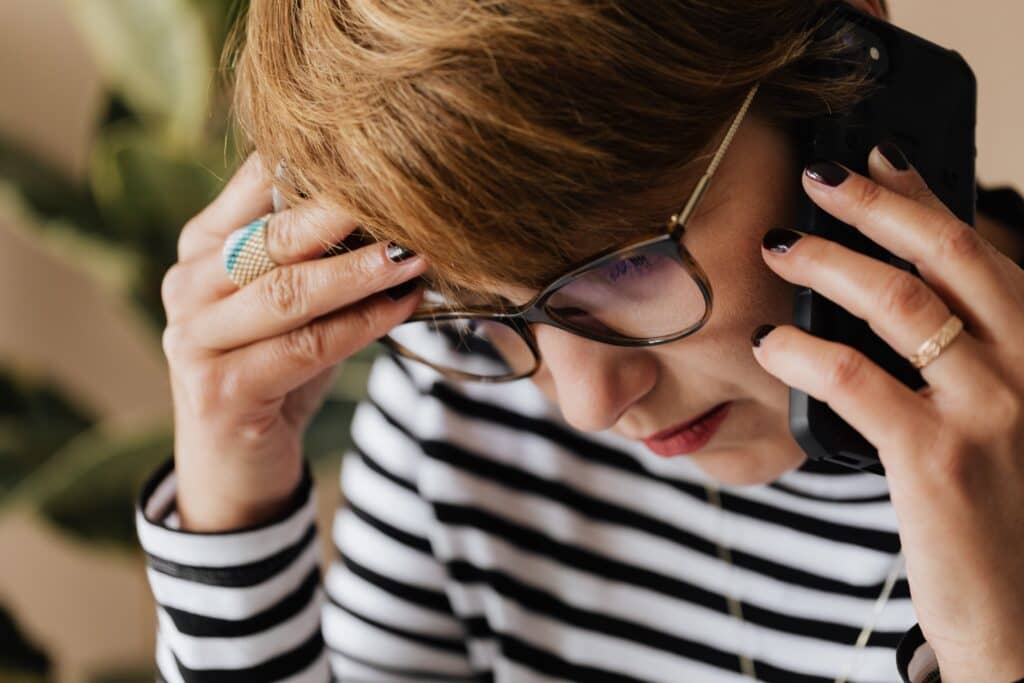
{"x":915,"y":658}
{"x":166,"y":546}
{"x":239,"y":605}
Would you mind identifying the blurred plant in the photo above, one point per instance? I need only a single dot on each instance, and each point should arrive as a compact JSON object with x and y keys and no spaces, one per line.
{"x":162,"y":151}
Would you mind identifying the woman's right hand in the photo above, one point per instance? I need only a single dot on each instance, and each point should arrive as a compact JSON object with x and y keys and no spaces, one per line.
{"x":250,"y":366}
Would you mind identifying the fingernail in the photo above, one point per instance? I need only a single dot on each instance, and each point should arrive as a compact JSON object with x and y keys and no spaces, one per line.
{"x":894,"y":155}
{"x":760,"y":333}
{"x":827,"y":172}
{"x":397,"y":254}
{"x":779,"y":240}
{"x":399,"y":291}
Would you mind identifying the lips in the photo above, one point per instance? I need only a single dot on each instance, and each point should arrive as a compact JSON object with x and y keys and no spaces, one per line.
{"x":665,"y":433}
{"x":690,"y":436}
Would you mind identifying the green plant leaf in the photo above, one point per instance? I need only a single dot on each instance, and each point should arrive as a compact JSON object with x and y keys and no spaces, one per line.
{"x":157,"y":55}
{"x":115,"y":267}
{"x":88,"y":488}
{"x":20,"y":660}
{"x":46,"y":189}
{"x":35,"y":421}
{"x":149,"y":193}
{"x":328,"y":432}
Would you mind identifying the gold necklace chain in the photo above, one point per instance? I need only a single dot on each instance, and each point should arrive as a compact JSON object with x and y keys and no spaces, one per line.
{"x":746,"y":664}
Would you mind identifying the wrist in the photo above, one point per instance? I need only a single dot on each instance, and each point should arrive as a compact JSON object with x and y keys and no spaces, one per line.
{"x":215,"y":494}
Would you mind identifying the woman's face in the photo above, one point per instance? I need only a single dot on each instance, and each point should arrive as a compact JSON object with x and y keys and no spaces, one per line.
{"x":638,"y":392}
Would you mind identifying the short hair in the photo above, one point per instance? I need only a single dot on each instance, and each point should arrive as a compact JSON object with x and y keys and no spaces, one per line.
{"x":490,"y":136}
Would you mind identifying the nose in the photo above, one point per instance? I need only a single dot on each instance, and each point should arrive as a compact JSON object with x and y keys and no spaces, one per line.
{"x":593,"y":383}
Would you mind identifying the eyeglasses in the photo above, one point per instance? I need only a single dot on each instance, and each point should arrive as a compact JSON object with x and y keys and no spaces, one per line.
{"x":643,"y":294}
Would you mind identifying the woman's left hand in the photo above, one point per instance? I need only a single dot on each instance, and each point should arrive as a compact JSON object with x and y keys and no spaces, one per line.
{"x":954,"y":450}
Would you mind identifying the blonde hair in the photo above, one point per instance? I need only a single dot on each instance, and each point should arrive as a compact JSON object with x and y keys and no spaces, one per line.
{"x":492,"y":136}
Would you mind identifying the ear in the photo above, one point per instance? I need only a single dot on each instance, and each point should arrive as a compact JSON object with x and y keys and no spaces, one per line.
{"x":876,"y":8}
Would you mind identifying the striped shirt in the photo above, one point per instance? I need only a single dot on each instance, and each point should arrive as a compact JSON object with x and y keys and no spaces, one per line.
{"x":483,"y":539}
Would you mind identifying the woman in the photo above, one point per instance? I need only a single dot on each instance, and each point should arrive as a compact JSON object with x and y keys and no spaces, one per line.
{"x":629,"y":512}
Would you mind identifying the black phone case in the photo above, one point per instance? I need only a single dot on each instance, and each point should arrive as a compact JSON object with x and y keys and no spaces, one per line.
{"x":926,"y":104}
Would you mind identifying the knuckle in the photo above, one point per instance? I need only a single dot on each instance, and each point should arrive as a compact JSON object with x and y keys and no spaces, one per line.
{"x":186,"y":237}
{"x":368,"y":319}
{"x":812,"y":252}
{"x":171,"y":285}
{"x":210,"y":388}
{"x":922,"y":194}
{"x":1004,"y":408}
{"x":172,"y":341}
{"x":847,"y":369}
{"x":309,"y":343}
{"x":955,"y":467}
{"x":957,"y":241}
{"x":278,"y":233}
{"x":284,"y":292}
{"x":904,"y":296}
{"x":869,"y":194}
{"x":254,"y":165}
{"x":367,"y":268}
{"x":225,"y":385}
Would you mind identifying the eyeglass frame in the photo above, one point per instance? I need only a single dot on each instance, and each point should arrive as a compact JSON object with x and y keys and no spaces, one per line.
{"x":520,"y":318}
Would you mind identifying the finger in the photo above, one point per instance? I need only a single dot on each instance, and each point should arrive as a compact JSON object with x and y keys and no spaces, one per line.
{"x":948,"y":253}
{"x":885,"y":411}
{"x":306,"y":231}
{"x":245,"y":197}
{"x":300,"y":233}
{"x":289,"y":296}
{"x":890,"y":167}
{"x":290,"y":237}
{"x":189,"y":285}
{"x":901,"y":309}
{"x":274,"y":367}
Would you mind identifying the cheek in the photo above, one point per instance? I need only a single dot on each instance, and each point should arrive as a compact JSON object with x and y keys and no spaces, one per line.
{"x":747,"y":293}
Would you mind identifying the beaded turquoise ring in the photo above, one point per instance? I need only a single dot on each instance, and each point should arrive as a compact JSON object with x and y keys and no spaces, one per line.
{"x":245,"y":253}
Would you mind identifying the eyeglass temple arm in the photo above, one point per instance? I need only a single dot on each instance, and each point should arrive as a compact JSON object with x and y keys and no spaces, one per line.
{"x":678,"y":220}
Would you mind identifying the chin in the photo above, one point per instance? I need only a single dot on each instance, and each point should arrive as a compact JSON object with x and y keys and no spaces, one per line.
{"x":751,"y":465}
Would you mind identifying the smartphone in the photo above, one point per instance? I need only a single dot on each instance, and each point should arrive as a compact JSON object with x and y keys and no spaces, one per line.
{"x":925,"y":102}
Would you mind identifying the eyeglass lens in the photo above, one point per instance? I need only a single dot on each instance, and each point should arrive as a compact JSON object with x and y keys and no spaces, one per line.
{"x":644,"y":295}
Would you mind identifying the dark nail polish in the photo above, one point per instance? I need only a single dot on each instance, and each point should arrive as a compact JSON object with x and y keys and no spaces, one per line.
{"x":760,"y":333}
{"x":399,"y":291}
{"x":827,"y":172}
{"x":780,"y":240}
{"x":397,"y":254}
{"x":894,"y":155}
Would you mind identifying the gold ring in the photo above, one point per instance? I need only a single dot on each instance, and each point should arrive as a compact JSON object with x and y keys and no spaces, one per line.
{"x":934,"y":345}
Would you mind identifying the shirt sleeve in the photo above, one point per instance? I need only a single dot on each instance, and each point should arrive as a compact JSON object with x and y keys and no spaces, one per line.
{"x":915,"y":658}
{"x":239,"y":606}
{"x":249,"y":605}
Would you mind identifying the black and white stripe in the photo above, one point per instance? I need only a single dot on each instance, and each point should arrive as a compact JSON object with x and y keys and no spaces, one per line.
{"x":484,"y":540}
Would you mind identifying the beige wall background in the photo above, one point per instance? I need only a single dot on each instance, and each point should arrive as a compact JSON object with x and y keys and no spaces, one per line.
{"x":90,"y":608}
{"x":986,"y":33}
